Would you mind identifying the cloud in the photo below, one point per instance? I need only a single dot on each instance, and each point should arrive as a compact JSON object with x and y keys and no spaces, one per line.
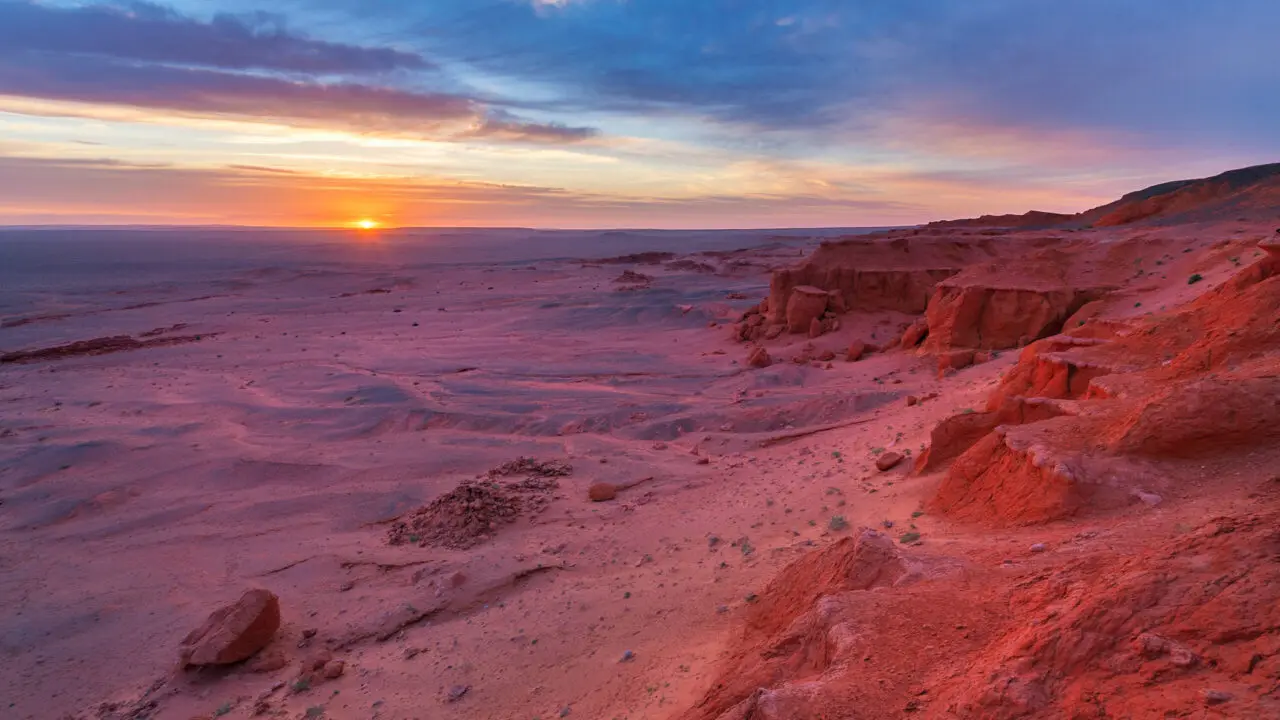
{"x":50,"y":190}
{"x":144,"y":32}
{"x":211,"y":93}
{"x":498,"y":124}
{"x":1187,"y":74}
{"x":248,"y":67}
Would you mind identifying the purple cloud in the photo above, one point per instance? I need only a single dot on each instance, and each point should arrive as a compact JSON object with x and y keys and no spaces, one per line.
{"x":211,"y":93}
{"x":150,"y":33}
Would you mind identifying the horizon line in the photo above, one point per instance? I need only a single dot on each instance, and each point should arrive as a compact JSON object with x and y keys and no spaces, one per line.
{"x":401,"y":228}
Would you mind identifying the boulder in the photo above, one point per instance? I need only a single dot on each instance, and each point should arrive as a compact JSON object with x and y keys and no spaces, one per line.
{"x":234,"y":632}
{"x":855,"y":352}
{"x":888,"y":461}
{"x":759,"y":358}
{"x":805,"y":305}
{"x":816,"y":328}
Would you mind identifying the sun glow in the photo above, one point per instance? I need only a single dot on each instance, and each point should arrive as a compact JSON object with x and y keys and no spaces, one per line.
{"x":366,"y":224}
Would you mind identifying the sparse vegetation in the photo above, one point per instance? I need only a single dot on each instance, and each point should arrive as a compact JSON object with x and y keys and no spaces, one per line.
{"x":1195,"y":278}
{"x":837,"y":523}
{"x":908,"y":538}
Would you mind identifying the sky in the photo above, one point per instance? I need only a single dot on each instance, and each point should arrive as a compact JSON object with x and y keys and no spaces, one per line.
{"x":620,"y":113}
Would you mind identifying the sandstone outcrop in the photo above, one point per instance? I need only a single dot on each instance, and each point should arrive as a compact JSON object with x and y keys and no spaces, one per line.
{"x":905,"y":289}
{"x":915,"y":334}
{"x":1049,"y":368}
{"x":995,"y":307}
{"x":1209,"y":415}
{"x":804,"y":306}
{"x":1152,"y":632}
{"x":792,"y":627}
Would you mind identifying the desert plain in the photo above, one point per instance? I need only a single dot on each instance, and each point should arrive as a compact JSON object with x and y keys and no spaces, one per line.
{"x":1018,"y":466}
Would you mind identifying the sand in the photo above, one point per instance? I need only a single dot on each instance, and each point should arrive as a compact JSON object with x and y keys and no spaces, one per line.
{"x":327,"y":386}
{"x":330,"y":385}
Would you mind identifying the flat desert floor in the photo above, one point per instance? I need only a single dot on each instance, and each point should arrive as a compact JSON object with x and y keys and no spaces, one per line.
{"x":316,"y":389}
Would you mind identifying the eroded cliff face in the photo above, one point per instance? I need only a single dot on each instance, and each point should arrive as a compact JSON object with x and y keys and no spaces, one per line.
{"x":904,"y":290}
{"x":996,"y":318}
{"x":1199,"y":381}
{"x":1001,"y":305}
{"x":1143,"y":613}
{"x":897,"y":271}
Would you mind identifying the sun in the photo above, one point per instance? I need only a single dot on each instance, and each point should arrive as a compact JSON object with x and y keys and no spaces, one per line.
{"x":366,"y":224}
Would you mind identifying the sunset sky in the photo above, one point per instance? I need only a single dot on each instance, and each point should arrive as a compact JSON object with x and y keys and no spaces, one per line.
{"x":620,"y":113}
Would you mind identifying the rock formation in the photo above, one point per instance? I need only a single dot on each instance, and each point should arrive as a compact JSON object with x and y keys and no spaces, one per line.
{"x":994,"y":307}
{"x":804,"y":306}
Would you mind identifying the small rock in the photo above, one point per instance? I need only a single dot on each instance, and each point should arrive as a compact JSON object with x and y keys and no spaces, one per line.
{"x":912,"y":400}
{"x":317,"y":660}
{"x":888,"y":461}
{"x":457,"y":691}
{"x":887,"y":524}
{"x":309,"y":633}
{"x":1039,"y":548}
{"x":564,"y":711}
{"x":1148,"y":499}
{"x":703,"y":461}
{"x":602,"y":492}
{"x":1183,"y":657}
{"x":722,"y":609}
{"x":267,"y":661}
{"x":628,"y":656}
{"x":334,"y":669}
{"x":759,"y":358}
{"x":346,"y":586}
{"x":1216,"y":697}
